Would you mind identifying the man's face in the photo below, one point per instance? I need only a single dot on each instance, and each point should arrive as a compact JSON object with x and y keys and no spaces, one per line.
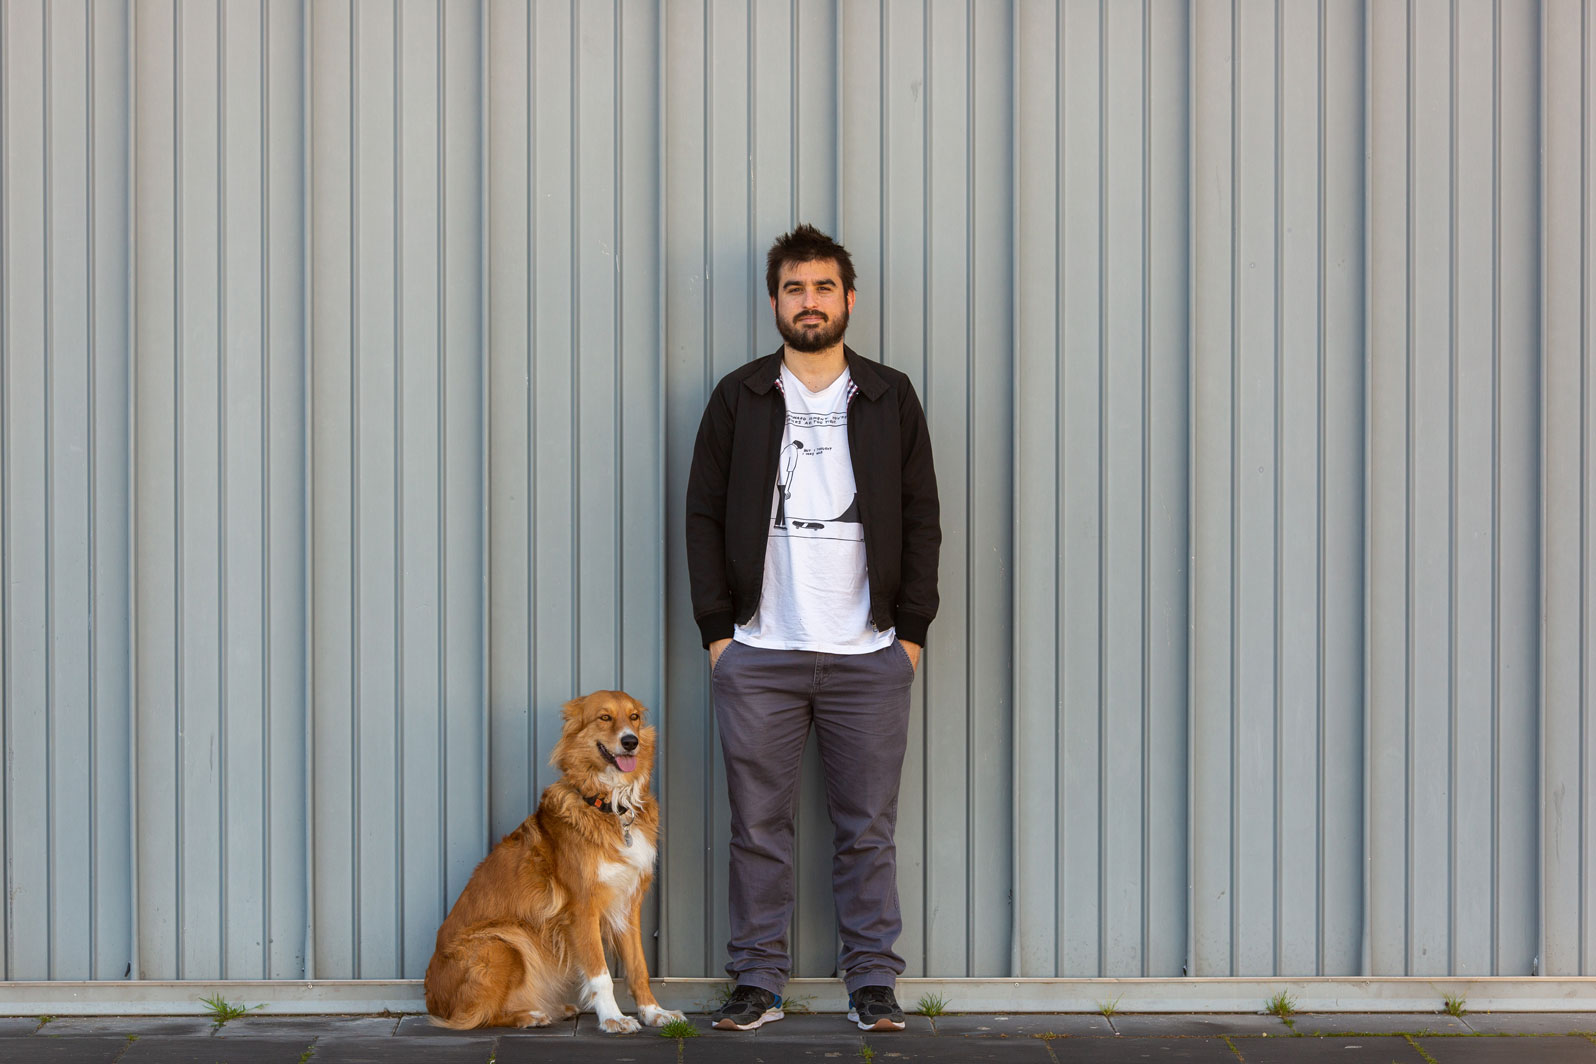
{"x":811,"y":307}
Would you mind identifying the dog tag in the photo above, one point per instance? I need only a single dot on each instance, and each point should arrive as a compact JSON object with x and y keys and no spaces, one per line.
{"x":626,"y":833}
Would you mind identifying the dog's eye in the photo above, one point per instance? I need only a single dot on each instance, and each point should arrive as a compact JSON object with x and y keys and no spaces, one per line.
{"x":636,"y":717}
{"x":605,"y":716}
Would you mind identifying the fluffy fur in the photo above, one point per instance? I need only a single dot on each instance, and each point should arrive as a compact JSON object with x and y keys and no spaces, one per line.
{"x":524,"y":944}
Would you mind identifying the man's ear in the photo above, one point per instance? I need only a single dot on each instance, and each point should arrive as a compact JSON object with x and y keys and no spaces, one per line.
{"x":851,"y":295}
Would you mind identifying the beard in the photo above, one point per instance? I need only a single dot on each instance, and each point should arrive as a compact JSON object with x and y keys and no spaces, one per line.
{"x":811,"y":339}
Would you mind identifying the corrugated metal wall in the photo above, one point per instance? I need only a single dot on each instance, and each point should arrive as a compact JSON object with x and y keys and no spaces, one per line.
{"x":352,"y":354}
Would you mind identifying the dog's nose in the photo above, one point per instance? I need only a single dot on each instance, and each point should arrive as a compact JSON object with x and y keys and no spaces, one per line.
{"x":628,"y":742}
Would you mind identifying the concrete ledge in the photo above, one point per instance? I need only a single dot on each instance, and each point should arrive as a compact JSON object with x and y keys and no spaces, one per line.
{"x":994,"y":996}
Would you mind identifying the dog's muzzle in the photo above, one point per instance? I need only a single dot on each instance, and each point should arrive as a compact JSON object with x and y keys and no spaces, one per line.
{"x":626,"y":760}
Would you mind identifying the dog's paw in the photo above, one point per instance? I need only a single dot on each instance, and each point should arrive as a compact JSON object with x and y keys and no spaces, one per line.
{"x":534,"y":1018}
{"x":654,"y":1016}
{"x":621,"y":1025}
{"x":570,"y":1011}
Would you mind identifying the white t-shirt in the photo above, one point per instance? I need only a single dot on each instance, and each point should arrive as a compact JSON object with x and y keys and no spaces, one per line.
{"x":816,"y":591}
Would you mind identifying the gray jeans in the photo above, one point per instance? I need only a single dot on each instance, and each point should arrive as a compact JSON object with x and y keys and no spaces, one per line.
{"x":765,"y":701}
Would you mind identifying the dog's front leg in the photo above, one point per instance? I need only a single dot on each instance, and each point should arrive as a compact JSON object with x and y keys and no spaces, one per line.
{"x":598,"y":989}
{"x":630,"y":946}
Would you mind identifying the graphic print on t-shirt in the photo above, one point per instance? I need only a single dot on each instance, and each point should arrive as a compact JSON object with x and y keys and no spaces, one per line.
{"x":812,"y":465}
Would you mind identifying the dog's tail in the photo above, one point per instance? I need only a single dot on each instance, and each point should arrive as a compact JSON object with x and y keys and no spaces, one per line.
{"x":489,"y":976}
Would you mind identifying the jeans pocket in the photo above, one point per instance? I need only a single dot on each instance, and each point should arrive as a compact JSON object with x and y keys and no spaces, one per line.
{"x":720,"y":662}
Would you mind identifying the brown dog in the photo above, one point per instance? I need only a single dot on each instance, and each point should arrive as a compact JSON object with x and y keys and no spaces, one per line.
{"x":527,"y":934}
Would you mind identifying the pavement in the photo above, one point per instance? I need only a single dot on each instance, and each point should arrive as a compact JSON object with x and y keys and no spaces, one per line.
{"x":1367,"y":1038}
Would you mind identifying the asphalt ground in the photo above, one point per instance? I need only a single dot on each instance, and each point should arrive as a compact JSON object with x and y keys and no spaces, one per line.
{"x":1368,"y":1038}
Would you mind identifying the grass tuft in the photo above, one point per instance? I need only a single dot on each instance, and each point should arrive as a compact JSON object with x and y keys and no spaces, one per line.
{"x":1455,"y":1005}
{"x":797,"y":1006}
{"x":931,"y":1005}
{"x":679,"y":1029}
{"x":1282,"y":1005}
{"x":866,"y":1054}
{"x":1108,"y":1008}
{"x":221,"y":1010}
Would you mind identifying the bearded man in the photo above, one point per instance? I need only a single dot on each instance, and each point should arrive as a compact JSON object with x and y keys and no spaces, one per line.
{"x":812,"y":545}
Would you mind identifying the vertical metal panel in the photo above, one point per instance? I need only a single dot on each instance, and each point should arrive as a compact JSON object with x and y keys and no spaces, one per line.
{"x":573,"y":481}
{"x":691,"y":898}
{"x":1567,"y":791}
{"x":1253,"y":337}
{"x":396,"y":478}
{"x":63,"y":719}
{"x":1101,"y":315}
{"x":29,"y":702}
{"x":1277,"y":404}
{"x":1515,"y":781}
{"x":219,"y":751}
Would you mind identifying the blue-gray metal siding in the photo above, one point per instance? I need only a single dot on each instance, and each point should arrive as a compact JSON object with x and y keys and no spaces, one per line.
{"x":353,"y":351}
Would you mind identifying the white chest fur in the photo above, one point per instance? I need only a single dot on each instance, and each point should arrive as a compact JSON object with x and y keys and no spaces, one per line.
{"x":623,"y":875}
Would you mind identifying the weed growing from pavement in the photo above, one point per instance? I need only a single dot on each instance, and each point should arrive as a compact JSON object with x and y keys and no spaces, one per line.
{"x":866,"y":1054}
{"x":221,"y":1010}
{"x":1455,"y":1005}
{"x":932,"y":1005}
{"x":1108,"y":1008}
{"x":1420,"y":1050}
{"x":679,"y":1029}
{"x":1282,"y":1005}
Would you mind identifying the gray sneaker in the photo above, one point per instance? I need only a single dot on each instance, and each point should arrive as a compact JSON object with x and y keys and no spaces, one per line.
{"x":747,"y":1008}
{"x":875,"y":1008}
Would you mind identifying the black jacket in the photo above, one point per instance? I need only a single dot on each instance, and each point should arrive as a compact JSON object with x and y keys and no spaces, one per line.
{"x":731,"y":484}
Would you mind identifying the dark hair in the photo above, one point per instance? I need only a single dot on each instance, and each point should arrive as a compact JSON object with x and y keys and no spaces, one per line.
{"x":806,"y":244}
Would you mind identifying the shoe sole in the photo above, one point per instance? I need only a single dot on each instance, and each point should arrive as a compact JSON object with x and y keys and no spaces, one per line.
{"x":883,"y":1024}
{"x":729,"y":1024}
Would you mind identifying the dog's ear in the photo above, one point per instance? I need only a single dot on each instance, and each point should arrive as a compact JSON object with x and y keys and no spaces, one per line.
{"x":571,"y":712}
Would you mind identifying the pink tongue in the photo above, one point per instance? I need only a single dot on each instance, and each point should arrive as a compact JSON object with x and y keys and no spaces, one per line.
{"x":625,"y":762}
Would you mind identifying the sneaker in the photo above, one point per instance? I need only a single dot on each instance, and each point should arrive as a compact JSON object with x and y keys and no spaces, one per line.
{"x":874,"y":1008}
{"x":747,"y":1008}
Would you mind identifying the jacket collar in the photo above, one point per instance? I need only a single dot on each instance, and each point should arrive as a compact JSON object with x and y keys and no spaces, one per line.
{"x":762,"y":375}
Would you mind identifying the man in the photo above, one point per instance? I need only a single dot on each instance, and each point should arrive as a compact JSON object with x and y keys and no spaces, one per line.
{"x":812,"y":542}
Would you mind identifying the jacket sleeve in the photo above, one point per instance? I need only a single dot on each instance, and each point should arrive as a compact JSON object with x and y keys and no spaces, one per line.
{"x":706,"y":520}
{"x":922,"y":528}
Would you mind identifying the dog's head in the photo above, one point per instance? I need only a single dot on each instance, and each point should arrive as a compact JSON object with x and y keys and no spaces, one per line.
{"x":606,"y":740}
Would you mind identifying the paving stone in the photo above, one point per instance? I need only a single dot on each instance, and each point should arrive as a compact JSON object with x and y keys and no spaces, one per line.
{"x":400,"y":1051}
{"x":1331,"y":1049}
{"x":644,"y":1047}
{"x":1531,"y":1022}
{"x":177,"y":1050}
{"x":889,"y":1048}
{"x":83,"y":1049}
{"x":307,"y":1028}
{"x":143,"y":1026}
{"x":422,"y":1027}
{"x":829,"y":1025}
{"x":12,"y":1026}
{"x":1377,"y":1023}
{"x":1508,"y":1049}
{"x":902,"y":1046}
{"x":974,"y":1025}
{"x":1125,"y":1050}
{"x":1148,"y":1024}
